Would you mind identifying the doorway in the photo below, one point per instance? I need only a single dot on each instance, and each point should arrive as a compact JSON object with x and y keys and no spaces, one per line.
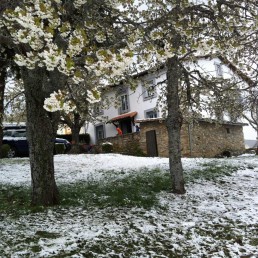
{"x":151,"y":142}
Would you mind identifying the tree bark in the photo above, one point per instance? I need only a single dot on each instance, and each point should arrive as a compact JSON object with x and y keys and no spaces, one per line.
{"x":2,"y":88}
{"x":75,"y":128}
{"x":75,"y":123}
{"x":41,"y":132}
{"x":174,"y":123}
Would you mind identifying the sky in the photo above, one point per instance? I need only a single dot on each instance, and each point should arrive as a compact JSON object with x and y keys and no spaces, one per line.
{"x":249,"y":133}
{"x":215,"y":218}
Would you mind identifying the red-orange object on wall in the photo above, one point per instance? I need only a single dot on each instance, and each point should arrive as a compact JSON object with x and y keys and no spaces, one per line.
{"x":119,"y":131}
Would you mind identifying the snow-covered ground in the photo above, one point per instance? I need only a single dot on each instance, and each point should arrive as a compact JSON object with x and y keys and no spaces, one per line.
{"x":216,"y":218}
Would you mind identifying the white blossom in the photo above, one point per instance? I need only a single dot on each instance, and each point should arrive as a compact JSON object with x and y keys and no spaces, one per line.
{"x":91,"y":97}
{"x":100,"y":37}
{"x":57,"y":102}
{"x":79,"y":3}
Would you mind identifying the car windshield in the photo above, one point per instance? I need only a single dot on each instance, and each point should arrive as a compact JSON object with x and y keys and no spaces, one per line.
{"x":19,"y":134}
{"x":7,"y":133}
{"x":11,"y":133}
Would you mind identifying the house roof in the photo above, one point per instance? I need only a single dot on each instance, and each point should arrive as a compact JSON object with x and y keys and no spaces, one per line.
{"x":123,"y":116}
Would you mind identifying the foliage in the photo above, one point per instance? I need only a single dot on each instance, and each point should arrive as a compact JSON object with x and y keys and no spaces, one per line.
{"x":59,"y":148}
{"x":56,"y":45}
{"x":179,"y":34}
{"x":83,"y":138}
{"x":107,"y":147}
{"x":70,"y":42}
{"x":5,"y":148}
{"x":193,"y":31}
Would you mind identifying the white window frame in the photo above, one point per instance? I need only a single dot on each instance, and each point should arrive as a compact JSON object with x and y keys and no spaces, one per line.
{"x":124,"y":103}
{"x":147,"y":93}
{"x":153,"y":110}
{"x":218,"y":69}
{"x":98,"y":109}
{"x":104,"y":133}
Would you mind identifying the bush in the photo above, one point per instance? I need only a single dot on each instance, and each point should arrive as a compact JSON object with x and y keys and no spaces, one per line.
{"x":107,"y":147}
{"x":59,"y":148}
{"x":83,"y":138}
{"x":5,"y":148}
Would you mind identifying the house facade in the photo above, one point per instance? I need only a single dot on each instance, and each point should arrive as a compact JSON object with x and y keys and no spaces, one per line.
{"x":138,"y":107}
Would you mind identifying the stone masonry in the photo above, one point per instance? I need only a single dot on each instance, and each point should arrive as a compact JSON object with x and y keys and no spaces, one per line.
{"x":202,"y":139}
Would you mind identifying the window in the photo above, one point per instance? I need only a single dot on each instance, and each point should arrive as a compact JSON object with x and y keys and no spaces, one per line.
{"x":151,"y":113}
{"x":124,"y":104}
{"x":228,"y":130}
{"x":100,"y":132}
{"x":218,"y":69}
{"x":98,"y":110}
{"x":149,"y":90}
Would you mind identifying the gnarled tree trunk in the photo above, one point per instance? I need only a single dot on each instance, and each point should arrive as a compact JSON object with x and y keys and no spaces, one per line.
{"x":75,"y":128}
{"x":174,"y":123}
{"x":2,"y":88}
{"x":75,"y":123}
{"x":41,"y":132}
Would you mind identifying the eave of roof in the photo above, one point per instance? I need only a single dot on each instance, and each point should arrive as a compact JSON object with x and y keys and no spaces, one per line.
{"x":123,"y":116}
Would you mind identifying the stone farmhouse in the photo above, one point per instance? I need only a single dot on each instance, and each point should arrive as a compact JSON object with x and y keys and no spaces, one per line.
{"x":138,"y":109}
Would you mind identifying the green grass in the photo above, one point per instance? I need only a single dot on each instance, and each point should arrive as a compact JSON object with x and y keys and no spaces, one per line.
{"x":135,"y":190}
{"x":210,"y":171}
{"x":131,"y":191}
{"x":15,"y":200}
{"x":7,"y":161}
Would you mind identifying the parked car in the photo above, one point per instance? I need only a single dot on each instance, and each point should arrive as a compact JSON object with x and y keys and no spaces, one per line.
{"x":16,"y":138}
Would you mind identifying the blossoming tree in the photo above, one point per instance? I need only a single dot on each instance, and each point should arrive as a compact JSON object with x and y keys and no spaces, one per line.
{"x":55,"y":41}
{"x":179,"y":32}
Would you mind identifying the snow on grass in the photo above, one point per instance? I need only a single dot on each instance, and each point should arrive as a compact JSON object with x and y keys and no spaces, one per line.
{"x":216,"y":218}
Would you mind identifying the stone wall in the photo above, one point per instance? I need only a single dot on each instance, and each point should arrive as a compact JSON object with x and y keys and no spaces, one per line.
{"x":203,"y":139}
{"x":125,"y":143}
{"x":210,"y":140}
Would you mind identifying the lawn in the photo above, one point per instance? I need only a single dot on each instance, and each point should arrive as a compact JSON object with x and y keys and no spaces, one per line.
{"x":122,"y":206}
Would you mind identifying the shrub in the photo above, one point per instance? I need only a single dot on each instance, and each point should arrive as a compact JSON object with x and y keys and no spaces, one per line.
{"x":107,"y":147}
{"x":5,"y":148}
{"x":83,"y":138}
{"x":59,"y":148}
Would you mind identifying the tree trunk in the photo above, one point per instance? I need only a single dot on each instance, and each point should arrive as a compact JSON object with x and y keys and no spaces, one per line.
{"x":75,"y":124}
{"x":41,"y":132}
{"x":174,"y":123}
{"x":75,"y":139}
{"x":75,"y":128}
{"x":2,"y":88}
